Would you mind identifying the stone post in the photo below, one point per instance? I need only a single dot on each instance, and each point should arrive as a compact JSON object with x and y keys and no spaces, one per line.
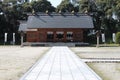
{"x":98,"y":36}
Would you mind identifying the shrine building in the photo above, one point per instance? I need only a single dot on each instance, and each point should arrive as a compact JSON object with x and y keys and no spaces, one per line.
{"x":56,"y":27}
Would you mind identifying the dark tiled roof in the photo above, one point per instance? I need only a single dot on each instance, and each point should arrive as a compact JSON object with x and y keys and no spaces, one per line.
{"x":60,"y":21}
{"x":23,"y":27}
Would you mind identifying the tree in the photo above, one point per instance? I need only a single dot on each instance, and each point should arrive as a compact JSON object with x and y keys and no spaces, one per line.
{"x":118,"y":8}
{"x":66,"y":6}
{"x":10,"y":1}
{"x":42,"y":6}
{"x":27,"y":7}
{"x":108,"y":22}
{"x":83,"y":8}
{"x":118,"y":38}
{"x":8,"y":21}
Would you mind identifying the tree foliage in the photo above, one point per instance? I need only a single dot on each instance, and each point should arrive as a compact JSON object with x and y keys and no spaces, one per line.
{"x":118,"y":38}
{"x":27,"y":7}
{"x":66,"y":6}
{"x":110,"y":18}
{"x":42,"y":6}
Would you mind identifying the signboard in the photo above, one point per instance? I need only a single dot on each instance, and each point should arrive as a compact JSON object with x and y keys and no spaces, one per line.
{"x":5,"y":37}
{"x":103,"y":37}
{"x":113,"y":37}
{"x":13,"y":38}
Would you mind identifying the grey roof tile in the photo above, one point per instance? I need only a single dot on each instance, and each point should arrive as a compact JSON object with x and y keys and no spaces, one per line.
{"x":59,"y":21}
{"x":23,"y":27}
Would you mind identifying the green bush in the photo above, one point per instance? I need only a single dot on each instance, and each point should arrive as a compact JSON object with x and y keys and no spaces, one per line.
{"x":118,"y":38}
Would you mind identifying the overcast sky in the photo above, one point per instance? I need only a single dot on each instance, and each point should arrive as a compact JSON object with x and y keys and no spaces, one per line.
{"x":55,"y":3}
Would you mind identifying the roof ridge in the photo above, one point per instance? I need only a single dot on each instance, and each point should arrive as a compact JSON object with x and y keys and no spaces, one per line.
{"x":57,"y":14}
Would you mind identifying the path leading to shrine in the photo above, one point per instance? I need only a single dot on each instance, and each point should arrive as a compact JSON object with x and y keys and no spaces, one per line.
{"x":60,"y":63}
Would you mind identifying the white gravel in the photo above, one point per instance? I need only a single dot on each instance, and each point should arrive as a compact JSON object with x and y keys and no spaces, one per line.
{"x":15,"y":61}
{"x":93,"y":52}
{"x":107,"y":71}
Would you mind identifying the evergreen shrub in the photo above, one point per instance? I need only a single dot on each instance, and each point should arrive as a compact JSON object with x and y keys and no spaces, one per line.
{"x":118,"y":38}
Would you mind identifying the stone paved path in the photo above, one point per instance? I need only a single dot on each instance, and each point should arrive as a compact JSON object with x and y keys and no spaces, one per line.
{"x":60,"y":63}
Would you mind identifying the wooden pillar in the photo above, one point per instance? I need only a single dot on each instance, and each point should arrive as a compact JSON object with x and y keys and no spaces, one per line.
{"x":54,"y":36}
{"x":45,"y":35}
{"x":82,"y":37}
{"x":37,"y":35}
{"x":22,"y":38}
{"x":65,"y":36}
{"x":74,"y":39}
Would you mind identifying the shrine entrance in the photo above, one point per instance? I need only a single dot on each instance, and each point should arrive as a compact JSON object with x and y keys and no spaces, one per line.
{"x":50,"y":37}
{"x":60,"y":36}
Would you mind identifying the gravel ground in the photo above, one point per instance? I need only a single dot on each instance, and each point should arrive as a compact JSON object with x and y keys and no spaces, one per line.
{"x":15,"y":61}
{"x":107,"y":71}
{"x":93,"y":52}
